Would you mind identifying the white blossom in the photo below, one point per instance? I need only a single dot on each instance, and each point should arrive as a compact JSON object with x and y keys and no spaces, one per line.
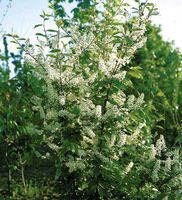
{"x":98,"y":111}
{"x":122,"y":139}
{"x":53,"y":73}
{"x":168,"y":164}
{"x":62,"y":100}
{"x":129,"y":167}
{"x":139,"y":101}
{"x":153,"y":152}
{"x":156,"y":169}
{"x":51,"y":114}
{"x":87,"y":140}
{"x":130,"y":101}
{"x":88,"y":131}
{"x":160,"y":145}
{"x":120,"y":75}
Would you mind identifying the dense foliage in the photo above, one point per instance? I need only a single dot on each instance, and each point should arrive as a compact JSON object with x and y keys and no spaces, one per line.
{"x":93,"y":111}
{"x":160,"y":65}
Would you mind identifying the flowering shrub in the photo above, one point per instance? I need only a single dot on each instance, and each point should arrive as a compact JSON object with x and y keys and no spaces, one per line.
{"x":91,"y":128}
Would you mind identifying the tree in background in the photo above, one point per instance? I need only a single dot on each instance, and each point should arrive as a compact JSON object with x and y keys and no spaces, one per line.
{"x":158,"y":75}
{"x":17,"y":135}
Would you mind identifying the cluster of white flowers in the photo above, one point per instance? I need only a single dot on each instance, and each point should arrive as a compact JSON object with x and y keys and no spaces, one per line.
{"x":153,"y":152}
{"x":130,"y":101}
{"x":168,"y":164}
{"x":65,"y":113}
{"x":51,"y":114}
{"x":158,"y":148}
{"x":53,"y":73}
{"x":102,"y":157}
{"x":172,"y":163}
{"x":139,"y":101}
{"x":52,"y":93}
{"x":160,"y":145}
{"x":112,"y":112}
{"x":119,"y":98}
{"x":62,"y":100}
{"x":89,"y":132}
{"x":176,"y":161}
{"x":87,"y":108}
{"x":98,"y":111}
{"x":121,"y":76}
{"x":136,"y":133}
{"x":87,"y":140}
{"x":53,"y":146}
{"x":36,"y":100}
{"x":156,"y":169}
{"x":122,"y":139}
{"x":107,"y":67}
{"x":74,"y":165}
{"x":129,"y":167}
{"x":140,"y":29}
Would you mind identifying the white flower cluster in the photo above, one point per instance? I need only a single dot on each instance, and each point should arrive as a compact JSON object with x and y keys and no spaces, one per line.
{"x":139,"y":101}
{"x":74,"y":165}
{"x":98,"y":111}
{"x":153,"y":152}
{"x":134,"y":103}
{"x":168,"y":164}
{"x":176,"y":161}
{"x":121,"y":76}
{"x":172,"y":163}
{"x":89,"y":132}
{"x":136,"y":133}
{"x":53,"y":73}
{"x":119,"y":98}
{"x":122,"y":139}
{"x":139,"y":32}
{"x":87,"y":108}
{"x":130,"y":101}
{"x":51,"y":114}
{"x":160,"y":145}
{"x":65,"y":113}
{"x":113,"y":112}
{"x":158,"y":148}
{"x":52,"y":93}
{"x":156,"y":169}
{"x":107,"y":67}
{"x":62,"y":100}
{"x":129,"y":167}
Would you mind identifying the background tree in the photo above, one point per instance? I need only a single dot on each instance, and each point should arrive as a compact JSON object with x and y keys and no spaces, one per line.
{"x":17,"y":123}
{"x":160,"y":66}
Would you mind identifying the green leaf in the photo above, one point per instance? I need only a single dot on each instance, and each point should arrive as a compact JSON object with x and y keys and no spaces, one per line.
{"x":52,"y":55}
{"x":55,"y":51}
{"x":38,"y":25}
{"x":135,"y":74}
{"x":76,"y":110}
{"x":40,"y":34}
{"x":52,"y":30}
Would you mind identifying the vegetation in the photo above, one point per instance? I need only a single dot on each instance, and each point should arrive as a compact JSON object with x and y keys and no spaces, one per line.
{"x":94,"y":108}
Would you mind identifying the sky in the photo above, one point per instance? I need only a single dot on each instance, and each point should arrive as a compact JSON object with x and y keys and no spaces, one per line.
{"x":170,"y":20}
{"x":24,"y":14}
